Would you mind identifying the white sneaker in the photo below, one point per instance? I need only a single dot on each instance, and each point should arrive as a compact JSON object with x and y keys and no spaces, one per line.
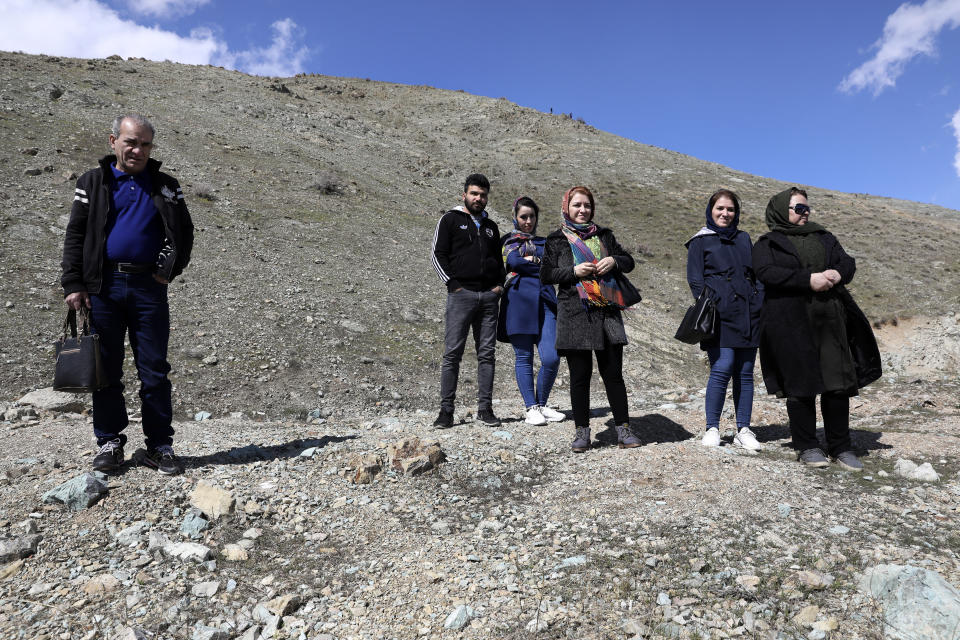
{"x":747,"y":439}
{"x":552,"y":415}
{"x":534,"y":416}
{"x":711,"y":438}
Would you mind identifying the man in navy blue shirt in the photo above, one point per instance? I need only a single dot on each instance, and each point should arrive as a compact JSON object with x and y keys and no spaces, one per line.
{"x":128,"y":237}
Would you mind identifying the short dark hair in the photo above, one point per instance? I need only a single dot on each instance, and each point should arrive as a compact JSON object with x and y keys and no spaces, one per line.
{"x":476,"y":179}
{"x":720,"y":193}
{"x":798,"y":191}
{"x":524,"y":201}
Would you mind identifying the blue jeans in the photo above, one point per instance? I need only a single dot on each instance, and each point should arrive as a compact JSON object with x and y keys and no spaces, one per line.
{"x":727,"y":362}
{"x":137,"y":303}
{"x":549,"y":361}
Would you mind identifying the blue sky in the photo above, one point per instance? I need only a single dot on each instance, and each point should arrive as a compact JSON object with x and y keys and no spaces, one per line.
{"x":860,"y":96}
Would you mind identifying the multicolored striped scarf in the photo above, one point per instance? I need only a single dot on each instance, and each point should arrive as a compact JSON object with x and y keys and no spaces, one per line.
{"x":604,"y":292}
{"x":517,"y":241}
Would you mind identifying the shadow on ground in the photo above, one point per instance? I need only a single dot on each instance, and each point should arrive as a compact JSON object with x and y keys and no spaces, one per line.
{"x":863,"y":441}
{"x":254,"y":453}
{"x":652,"y":428}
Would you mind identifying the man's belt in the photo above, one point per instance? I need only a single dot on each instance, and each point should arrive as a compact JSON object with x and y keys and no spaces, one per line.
{"x":131,"y":267}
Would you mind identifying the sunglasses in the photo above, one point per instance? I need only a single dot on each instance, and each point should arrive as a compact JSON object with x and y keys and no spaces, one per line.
{"x":801,"y":209}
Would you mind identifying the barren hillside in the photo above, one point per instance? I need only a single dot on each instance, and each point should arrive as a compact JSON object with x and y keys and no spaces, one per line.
{"x":315,"y":200}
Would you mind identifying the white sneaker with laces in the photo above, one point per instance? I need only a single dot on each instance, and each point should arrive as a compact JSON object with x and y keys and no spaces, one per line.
{"x":747,"y":439}
{"x":552,"y":415}
{"x":711,"y":438}
{"x":534,"y":417}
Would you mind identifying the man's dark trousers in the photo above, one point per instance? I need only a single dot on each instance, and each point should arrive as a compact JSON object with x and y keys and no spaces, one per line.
{"x":466,"y":309}
{"x":134,"y":301}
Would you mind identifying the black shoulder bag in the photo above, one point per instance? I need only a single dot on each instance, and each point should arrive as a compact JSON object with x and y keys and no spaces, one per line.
{"x":700,"y":321}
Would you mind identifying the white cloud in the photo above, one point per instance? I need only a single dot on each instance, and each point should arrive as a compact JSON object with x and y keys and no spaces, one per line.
{"x":91,"y":29}
{"x":284,"y":56}
{"x":955,"y":123}
{"x":909,"y":31}
{"x":165,"y":8}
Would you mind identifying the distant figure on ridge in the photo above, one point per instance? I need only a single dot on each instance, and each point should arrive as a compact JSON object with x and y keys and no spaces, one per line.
{"x":719,"y":258}
{"x":528,"y":313}
{"x":466,"y":255}
{"x":814,"y":339}
{"x":128,"y":237}
{"x":584,"y":259}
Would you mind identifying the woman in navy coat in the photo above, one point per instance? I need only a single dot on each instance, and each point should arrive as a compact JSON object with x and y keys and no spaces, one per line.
{"x":528,"y":313}
{"x":719,"y":257}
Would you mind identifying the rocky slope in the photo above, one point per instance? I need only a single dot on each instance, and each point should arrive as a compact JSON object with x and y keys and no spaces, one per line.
{"x":309,"y":326}
{"x":315,"y":200}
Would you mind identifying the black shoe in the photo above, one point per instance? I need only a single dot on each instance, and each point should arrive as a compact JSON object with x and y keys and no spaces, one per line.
{"x":486,"y":417}
{"x":110,"y":456}
{"x":163,"y":460}
{"x":444,"y":420}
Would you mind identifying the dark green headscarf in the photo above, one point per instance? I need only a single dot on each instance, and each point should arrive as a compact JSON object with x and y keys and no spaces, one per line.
{"x":778,"y":217}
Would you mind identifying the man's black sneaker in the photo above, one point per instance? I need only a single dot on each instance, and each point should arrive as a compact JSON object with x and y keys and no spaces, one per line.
{"x":163,"y":460}
{"x":486,"y":417}
{"x":444,"y":420}
{"x":110,"y":456}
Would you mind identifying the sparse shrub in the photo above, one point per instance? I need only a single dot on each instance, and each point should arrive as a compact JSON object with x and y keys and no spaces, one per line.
{"x":643,"y":250}
{"x":205,"y":191}
{"x":327,"y":183}
{"x":280,"y":87}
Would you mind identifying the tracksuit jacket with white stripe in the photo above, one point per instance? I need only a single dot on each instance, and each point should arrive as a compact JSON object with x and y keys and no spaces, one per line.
{"x":465,"y":255}
{"x":85,"y":240}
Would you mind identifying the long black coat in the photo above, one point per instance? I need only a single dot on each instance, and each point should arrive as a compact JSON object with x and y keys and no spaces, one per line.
{"x":580,"y":327}
{"x":789,"y":356}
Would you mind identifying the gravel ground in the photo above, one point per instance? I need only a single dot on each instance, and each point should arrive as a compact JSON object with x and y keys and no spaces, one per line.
{"x":668,"y":540}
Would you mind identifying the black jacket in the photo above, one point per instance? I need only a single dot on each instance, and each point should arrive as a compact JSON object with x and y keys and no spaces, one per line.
{"x":580,"y":327}
{"x":467,"y":256}
{"x":725,"y":265}
{"x":789,"y":356}
{"x":85,"y":241}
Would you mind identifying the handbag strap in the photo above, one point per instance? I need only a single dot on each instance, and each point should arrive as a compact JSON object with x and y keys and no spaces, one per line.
{"x":86,"y":323}
{"x":70,"y":323}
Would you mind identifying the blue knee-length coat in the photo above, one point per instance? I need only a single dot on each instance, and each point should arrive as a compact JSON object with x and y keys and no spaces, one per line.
{"x":524,"y":296}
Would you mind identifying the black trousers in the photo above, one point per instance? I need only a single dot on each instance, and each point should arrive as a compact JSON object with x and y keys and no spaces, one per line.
{"x":610,"y":366}
{"x":835,"y":408}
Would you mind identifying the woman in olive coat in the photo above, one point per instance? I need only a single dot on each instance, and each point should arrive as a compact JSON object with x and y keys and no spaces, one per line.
{"x":583,"y":259}
{"x":814,"y":338}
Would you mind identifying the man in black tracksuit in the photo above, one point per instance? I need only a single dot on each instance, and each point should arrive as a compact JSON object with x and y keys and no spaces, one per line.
{"x":467,"y":257}
{"x":128,"y":237}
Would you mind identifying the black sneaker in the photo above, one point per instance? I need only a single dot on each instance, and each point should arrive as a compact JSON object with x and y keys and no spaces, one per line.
{"x":163,"y":460}
{"x":486,"y":417}
{"x":444,"y":420}
{"x":110,"y":456}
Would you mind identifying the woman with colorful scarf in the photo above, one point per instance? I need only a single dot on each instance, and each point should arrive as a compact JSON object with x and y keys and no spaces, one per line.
{"x":719,"y":258}
{"x":814,"y":339}
{"x":583,"y":259}
{"x":528,"y":313}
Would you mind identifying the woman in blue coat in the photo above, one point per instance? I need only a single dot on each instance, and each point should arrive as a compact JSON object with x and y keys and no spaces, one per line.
{"x":528,"y":313}
{"x":719,"y":257}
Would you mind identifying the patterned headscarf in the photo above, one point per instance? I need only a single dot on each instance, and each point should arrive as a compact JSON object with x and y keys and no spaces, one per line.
{"x":518,"y":240}
{"x":585,"y":247}
{"x":587,"y":229}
